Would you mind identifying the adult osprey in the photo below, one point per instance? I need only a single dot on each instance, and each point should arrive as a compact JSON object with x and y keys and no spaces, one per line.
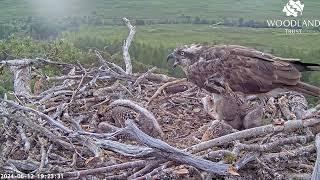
{"x":243,"y":69}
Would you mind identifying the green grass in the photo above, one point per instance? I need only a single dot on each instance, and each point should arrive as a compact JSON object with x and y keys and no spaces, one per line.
{"x":160,"y":9}
{"x":171,"y":36}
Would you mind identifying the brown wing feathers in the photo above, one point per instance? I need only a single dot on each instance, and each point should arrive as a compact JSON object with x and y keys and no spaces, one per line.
{"x":250,"y":71}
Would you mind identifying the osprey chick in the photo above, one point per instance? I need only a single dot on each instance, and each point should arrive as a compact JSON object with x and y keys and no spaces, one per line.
{"x":244,"y":69}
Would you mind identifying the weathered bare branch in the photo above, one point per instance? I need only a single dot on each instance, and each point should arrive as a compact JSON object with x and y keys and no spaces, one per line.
{"x":303,"y":151}
{"x":42,"y":130}
{"x":106,"y":63}
{"x":40,"y":114}
{"x":126,"y":46}
{"x":175,"y":154}
{"x":24,"y":138}
{"x":143,"y":76}
{"x":163,"y":87}
{"x":126,"y":150}
{"x":316,"y":170}
{"x":22,"y":80}
{"x":123,"y":166}
{"x":32,"y":62}
{"x":275,"y":144}
{"x":150,"y":118}
{"x":289,"y":126}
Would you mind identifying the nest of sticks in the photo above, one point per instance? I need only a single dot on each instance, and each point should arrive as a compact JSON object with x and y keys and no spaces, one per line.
{"x":109,"y":123}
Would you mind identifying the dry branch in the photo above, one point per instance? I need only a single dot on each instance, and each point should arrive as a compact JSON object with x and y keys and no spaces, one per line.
{"x":106,"y":64}
{"x":125,"y":149}
{"x":271,"y":146}
{"x":158,"y":92}
{"x":24,"y":138}
{"x":40,"y":114}
{"x":166,"y":151}
{"x":21,"y":69}
{"x":41,"y":130}
{"x":123,"y":166}
{"x":32,"y":62}
{"x":303,"y":151}
{"x":22,"y":80}
{"x":289,"y":126}
{"x":143,"y":76}
{"x":126,"y":46}
{"x":316,"y":170}
{"x":150,"y":118}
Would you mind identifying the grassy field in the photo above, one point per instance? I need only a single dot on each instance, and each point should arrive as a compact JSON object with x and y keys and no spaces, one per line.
{"x":171,"y":36}
{"x":218,"y":9}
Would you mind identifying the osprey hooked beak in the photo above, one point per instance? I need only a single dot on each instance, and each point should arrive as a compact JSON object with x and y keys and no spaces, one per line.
{"x":173,"y":57}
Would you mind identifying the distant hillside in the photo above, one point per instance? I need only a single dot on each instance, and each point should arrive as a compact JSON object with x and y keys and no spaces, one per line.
{"x":151,"y":9}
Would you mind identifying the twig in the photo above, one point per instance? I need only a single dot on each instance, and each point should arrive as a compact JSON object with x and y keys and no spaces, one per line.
{"x":22,"y":80}
{"x":126,"y":46}
{"x":147,"y":169}
{"x":303,"y":151}
{"x":271,"y":171}
{"x":123,"y":166}
{"x":42,"y":130}
{"x":28,"y":62}
{"x":300,"y":176}
{"x":100,"y":58}
{"x":125,"y":149}
{"x":160,"y":78}
{"x":24,"y":138}
{"x":143,"y":76}
{"x":149,"y":116}
{"x":106,"y":63}
{"x":175,"y":154}
{"x":155,"y":171}
{"x":249,"y":157}
{"x":123,"y":175}
{"x":78,"y":88}
{"x":54,"y":94}
{"x":10,"y":166}
{"x":43,"y":156}
{"x":219,"y":154}
{"x":161,"y":88}
{"x":40,"y":114}
{"x":272,"y":145}
{"x":316,"y":170}
{"x":254,"y":132}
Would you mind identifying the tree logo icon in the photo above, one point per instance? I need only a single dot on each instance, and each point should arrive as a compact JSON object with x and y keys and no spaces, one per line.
{"x":293,"y":8}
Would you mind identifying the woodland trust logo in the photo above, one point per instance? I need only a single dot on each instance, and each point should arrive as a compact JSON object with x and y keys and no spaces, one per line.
{"x":293,"y":9}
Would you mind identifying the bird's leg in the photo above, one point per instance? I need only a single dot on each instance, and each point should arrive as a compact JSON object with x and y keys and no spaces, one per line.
{"x":216,"y":83}
{"x":219,"y":84}
{"x":230,"y":92}
{"x":209,"y":105}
